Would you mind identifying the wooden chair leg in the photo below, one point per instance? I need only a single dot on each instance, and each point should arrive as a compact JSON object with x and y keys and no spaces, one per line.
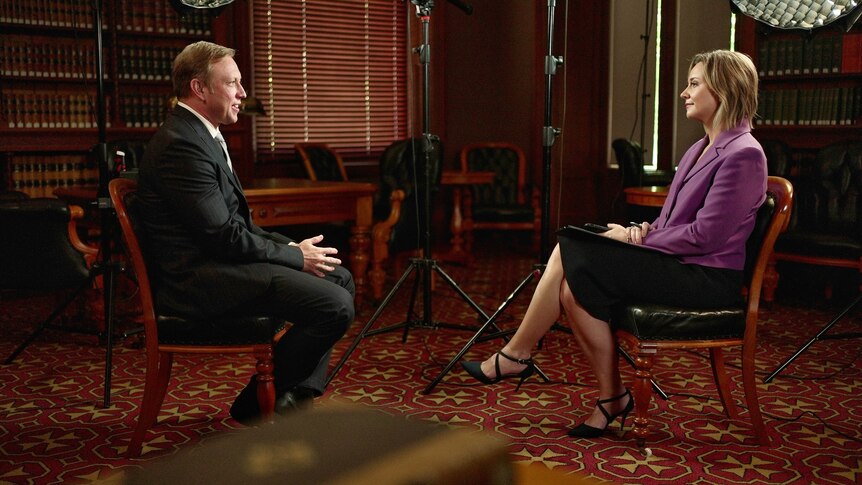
{"x":719,"y":373}
{"x":770,"y":281}
{"x":155,"y":387}
{"x":751,"y":400}
{"x":265,"y":385}
{"x":643,"y":395}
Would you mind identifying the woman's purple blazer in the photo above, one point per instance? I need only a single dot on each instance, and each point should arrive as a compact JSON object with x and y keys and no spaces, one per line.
{"x":712,"y":202}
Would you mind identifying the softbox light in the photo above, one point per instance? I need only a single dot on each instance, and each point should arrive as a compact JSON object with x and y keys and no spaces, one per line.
{"x":801,"y":14}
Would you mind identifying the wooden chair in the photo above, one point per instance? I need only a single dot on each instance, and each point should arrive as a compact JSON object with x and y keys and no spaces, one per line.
{"x":398,"y":196}
{"x":166,"y":335}
{"x":508,"y":203}
{"x":321,"y":162}
{"x":40,"y":251}
{"x":644,"y":329}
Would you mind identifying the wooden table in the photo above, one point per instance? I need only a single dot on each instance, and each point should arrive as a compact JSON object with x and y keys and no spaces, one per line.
{"x":461,"y":194}
{"x":285,"y":201}
{"x":649,"y":196}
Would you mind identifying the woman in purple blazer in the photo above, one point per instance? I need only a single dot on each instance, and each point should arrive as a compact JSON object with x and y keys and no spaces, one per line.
{"x":692,"y":255}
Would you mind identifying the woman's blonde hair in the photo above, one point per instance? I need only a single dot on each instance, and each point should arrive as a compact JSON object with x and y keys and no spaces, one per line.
{"x":732,"y":78}
{"x":195,"y":62}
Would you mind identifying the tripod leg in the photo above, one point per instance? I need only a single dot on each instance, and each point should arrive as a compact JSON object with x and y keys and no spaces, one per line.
{"x":489,"y":321}
{"x":56,"y":313}
{"x":368,"y":325}
{"x":655,"y":387}
{"x":813,"y":339}
{"x":108,"y":296}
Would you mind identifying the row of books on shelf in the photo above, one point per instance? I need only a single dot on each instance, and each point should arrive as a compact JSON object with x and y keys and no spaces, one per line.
{"x":159,"y":17}
{"x":47,"y":13}
{"x":818,"y":55}
{"x":40,"y":175}
{"x":137,"y":62}
{"x":130,"y":16}
{"x":49,"y":110}
{"x":63,"y":110}
{"x":143,"y":110}
{"x":829,"y":106}
{"x":24,"y":58}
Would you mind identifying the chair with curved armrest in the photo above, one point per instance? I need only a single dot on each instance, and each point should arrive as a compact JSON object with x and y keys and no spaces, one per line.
{"x":508,"y":203}
{"x":321,"y":162}
{"x":644,"y":329}
{"x":168,"y":335}
{"x":42,"y":252}
{"x":400,"y":193}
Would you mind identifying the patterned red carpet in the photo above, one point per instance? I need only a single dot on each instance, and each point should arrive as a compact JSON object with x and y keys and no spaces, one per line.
{"x":53,"y":428}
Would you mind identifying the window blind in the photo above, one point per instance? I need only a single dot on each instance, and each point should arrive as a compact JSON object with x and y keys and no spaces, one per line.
{"x":330,"y":72}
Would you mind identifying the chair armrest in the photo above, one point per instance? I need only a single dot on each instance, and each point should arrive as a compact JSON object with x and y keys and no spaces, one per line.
{"x":381,"y":230}
{"x":88,"y":251}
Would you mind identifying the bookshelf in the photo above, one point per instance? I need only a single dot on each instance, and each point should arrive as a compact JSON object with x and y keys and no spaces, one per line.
{"x":48,"y":119}
{"x":810,"y":85}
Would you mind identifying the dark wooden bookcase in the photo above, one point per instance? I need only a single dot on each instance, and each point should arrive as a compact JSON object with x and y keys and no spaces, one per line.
{"x":810,"y":84}
{"x":48,"y":119}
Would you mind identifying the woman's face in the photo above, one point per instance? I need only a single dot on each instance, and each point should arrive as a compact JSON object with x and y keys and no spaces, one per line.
{"x":699,"y":102}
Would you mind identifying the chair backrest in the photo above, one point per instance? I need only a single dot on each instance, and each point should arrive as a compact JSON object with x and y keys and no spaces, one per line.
{"x":402,"y":166}
{"x":507,"y":161}
{"x":321,"y":162}
{"x":837,"y":203}
{"x":778,"y":160}
{"x":122,"y":193}
{"x":36,"y":249}
{"x":630,"y":159}
{"x":772,"y":219}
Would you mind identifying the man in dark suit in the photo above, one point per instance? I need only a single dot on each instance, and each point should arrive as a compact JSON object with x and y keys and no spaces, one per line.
{"x":209,"y":258}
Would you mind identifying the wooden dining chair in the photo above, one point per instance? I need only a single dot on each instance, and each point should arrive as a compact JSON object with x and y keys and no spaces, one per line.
{"x":645,"y":329}
{"x":509,"y":203}
{"x":168,"y":335}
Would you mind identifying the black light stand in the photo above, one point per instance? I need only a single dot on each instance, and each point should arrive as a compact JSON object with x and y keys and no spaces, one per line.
{"x":104,"y":265}
{"x":821,"y":335}
{"x":549,"y":136}
{"x":424,"y":265}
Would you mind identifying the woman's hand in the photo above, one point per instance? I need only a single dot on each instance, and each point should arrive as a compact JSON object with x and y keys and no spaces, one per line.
{"x":317,"y":259}
{"x":633,"y":234}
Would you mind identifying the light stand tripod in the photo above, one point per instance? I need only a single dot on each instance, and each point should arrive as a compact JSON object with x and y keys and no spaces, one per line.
{"x":425,"y":265}
{"x":821,"y":335}
{"x":549,"y":135}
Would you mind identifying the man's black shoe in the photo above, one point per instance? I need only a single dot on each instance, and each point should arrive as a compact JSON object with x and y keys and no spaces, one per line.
{"x":246,"y":411}
{"x":296,"y":398}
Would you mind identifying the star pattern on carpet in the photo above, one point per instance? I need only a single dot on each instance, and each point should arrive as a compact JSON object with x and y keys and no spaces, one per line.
{"x":363,"y":393}
{"x":546,"y":457}
{"x":542,"y":399}
{"x":718,"y":434}
{"x":742,"y":468}
{"x":523,"y":425}
{"x":632,"y":462}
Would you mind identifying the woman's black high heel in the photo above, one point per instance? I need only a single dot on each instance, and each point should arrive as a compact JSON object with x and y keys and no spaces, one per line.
{"x":584,"y":430}
{"x":475,"y":370}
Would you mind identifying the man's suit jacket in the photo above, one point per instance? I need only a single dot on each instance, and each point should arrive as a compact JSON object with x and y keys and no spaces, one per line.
{"x":205,"y":253}
{"x":712,"y":202}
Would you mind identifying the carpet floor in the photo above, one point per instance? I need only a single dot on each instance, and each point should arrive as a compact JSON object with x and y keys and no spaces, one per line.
{"x":53,"y":428}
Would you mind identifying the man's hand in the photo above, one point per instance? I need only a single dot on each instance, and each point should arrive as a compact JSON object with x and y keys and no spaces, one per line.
{"x":318,"y":260}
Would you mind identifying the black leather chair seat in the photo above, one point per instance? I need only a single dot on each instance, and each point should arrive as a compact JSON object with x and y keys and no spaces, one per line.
{"x":660,"y":322}
{"x":503,"y":213}
{"x":242,"y":330}
{"x":820,"y":244}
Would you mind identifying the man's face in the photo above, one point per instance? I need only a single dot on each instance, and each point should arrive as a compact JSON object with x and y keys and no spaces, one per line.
{"x":222,"y":98}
